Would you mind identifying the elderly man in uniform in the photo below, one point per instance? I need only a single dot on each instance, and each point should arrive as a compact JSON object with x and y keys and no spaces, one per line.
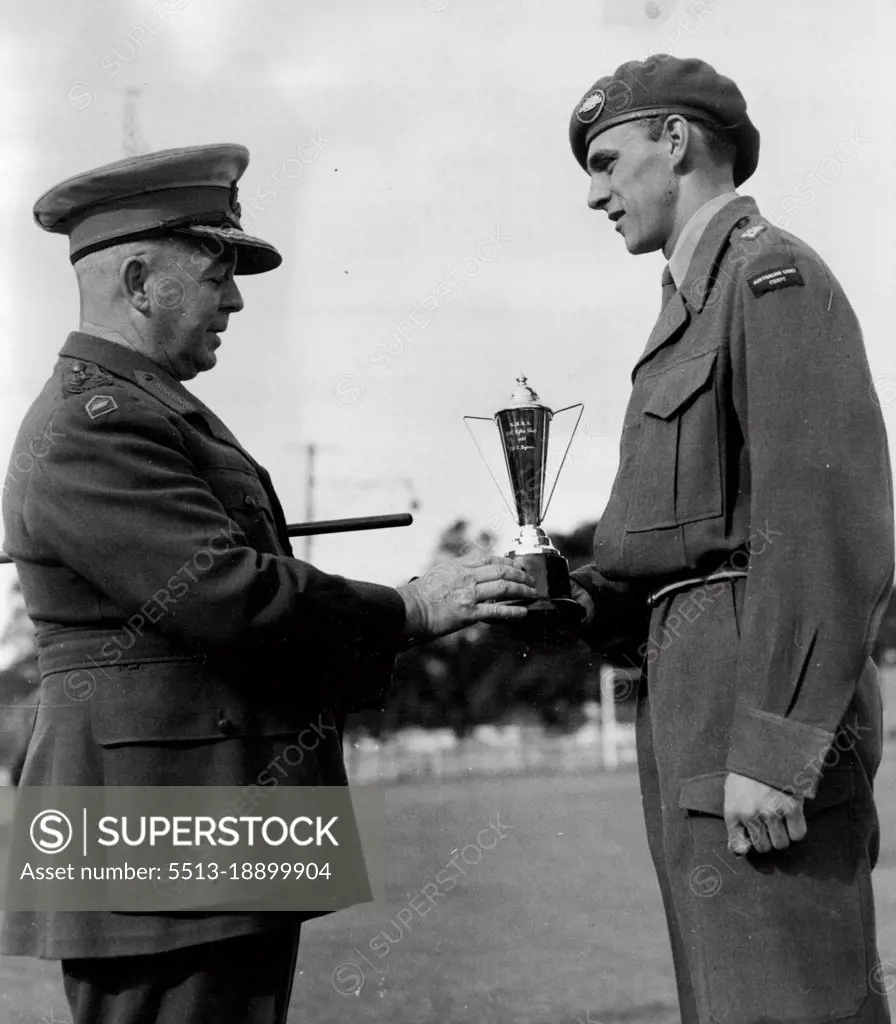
{"x":204,"y":669}
{"x":743,"y":561}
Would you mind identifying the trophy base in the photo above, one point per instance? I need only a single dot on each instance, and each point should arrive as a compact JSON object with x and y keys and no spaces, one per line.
{"x":554,"y":611}
{"x":554,"y":614}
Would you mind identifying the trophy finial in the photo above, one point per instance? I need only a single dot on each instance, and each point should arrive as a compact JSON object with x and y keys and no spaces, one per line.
{"x":524,"y":393}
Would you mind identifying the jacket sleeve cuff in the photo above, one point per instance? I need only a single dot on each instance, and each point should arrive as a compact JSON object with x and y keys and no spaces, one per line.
{"x":379,"y":616}
{"x":780,"y":752}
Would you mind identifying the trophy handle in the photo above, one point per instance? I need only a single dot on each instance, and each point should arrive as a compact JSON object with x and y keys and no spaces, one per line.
{"x":580,"y":406}
{"x":489,"y":419}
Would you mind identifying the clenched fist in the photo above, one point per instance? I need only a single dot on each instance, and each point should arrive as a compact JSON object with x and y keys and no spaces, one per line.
{"x":452,"y":595}
{"x":760,"y":817}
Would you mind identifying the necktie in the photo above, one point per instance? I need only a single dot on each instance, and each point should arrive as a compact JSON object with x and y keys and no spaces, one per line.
{"x":669,"y":288}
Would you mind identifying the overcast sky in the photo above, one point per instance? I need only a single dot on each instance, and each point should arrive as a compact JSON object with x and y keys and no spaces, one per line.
{"x":400,"y":146}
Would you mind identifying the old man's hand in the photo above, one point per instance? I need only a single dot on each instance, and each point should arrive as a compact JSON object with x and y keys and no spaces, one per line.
{"x":452,"y":595}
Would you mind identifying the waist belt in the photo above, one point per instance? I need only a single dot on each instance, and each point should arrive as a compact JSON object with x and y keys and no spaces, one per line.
{"x":65,"y":650}
{"x":697,"y":581}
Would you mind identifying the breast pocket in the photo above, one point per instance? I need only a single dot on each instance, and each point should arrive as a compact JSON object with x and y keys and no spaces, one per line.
{"x":243,"y":496}
{"x":678,"y":473}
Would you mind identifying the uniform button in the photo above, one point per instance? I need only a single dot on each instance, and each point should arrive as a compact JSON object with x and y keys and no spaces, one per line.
{"x":250,"y":501}
{"x":147,"y":376}
{"x":225,"y":725}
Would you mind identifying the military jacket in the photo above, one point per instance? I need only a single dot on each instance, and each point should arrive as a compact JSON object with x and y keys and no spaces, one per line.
{"x":753,"y":440}
{"x":179,"y":641}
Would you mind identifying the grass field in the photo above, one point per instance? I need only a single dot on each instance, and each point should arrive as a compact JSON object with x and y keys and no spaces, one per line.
{"x":559,"y":922}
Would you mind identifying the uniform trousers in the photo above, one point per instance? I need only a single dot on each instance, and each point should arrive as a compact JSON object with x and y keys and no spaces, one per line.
{"x":243,"y":980}
{"x":787,"y":936}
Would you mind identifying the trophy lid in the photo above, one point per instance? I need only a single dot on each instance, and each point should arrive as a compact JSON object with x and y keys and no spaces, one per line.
{"x":524,"y":395}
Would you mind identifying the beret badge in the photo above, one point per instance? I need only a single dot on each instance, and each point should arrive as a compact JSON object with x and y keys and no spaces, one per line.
{"x":591,"y":106}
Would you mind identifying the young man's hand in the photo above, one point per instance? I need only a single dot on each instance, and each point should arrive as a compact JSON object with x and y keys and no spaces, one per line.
{"x":760,"y":817}
{"x":581,"y":595}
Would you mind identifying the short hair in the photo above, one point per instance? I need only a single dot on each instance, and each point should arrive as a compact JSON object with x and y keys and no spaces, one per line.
{"x":718,"y":144}
{"x":157,"y":250}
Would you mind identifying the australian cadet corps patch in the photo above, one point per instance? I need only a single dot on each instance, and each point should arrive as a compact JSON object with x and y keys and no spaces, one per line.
{"x":591,"y":106}
{"x":772,"y":280}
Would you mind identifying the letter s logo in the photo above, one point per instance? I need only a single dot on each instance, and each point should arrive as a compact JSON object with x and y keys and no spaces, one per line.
{"x":51,"y":831}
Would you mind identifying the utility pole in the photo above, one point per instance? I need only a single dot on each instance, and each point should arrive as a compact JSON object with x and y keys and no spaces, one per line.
{"x":310,"y":453}
{"x":132,"y":142}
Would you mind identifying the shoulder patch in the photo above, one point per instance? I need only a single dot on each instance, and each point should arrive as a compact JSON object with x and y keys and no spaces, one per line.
{"x":754,"y":231}
{"x":99,"y":405}
{"x":772,"y":280}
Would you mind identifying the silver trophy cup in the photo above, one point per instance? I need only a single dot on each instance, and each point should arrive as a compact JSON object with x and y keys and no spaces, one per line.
{"x":523,"y":429}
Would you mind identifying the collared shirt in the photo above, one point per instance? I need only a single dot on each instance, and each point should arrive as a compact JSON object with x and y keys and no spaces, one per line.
{"x":686,"y":245}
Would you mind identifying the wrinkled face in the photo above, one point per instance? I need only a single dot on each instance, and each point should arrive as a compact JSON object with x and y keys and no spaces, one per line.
{"x":192,"y":293}
{"x":632,"y":180}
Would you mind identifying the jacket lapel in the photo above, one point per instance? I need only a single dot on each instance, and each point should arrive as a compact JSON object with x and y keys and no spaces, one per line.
{"x":176,"y":396}
{"x":691,"y":297}
{"x":673,"y":317}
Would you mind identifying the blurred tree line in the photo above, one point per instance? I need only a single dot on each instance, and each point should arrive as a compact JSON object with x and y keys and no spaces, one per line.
{"x":482,"y":675}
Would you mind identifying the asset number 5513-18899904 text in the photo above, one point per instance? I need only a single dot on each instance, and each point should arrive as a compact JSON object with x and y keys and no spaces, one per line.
{"x":246,"y":871}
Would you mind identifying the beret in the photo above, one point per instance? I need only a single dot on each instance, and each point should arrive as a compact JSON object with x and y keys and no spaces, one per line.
{"x":663,"y":84}
{"x":189,"y":191}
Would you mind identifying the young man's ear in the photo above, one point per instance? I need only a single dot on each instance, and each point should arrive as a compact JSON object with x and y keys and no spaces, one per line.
{"x":678,"y":132}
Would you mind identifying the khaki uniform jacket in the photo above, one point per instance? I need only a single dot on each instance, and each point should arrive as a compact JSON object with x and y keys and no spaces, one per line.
{"x":179,"y":641}
{"x":753,"y":440}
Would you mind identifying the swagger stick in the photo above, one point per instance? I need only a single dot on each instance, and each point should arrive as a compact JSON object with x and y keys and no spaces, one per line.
{"x":327,"y":526}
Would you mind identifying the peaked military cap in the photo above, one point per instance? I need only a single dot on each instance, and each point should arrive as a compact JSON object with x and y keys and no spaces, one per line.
{"x":174,"y":191}
{"x":663,"y":84}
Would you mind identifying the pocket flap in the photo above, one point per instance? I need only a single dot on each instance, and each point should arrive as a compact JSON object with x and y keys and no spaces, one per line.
{"x":705,"y":794}
{"x":674,"y":388}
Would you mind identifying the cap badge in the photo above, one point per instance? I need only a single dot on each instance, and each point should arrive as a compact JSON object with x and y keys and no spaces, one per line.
{"x":591,"y":106}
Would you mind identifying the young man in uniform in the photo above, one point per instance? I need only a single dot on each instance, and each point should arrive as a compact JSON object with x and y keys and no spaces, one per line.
{"x":745,"y":557}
